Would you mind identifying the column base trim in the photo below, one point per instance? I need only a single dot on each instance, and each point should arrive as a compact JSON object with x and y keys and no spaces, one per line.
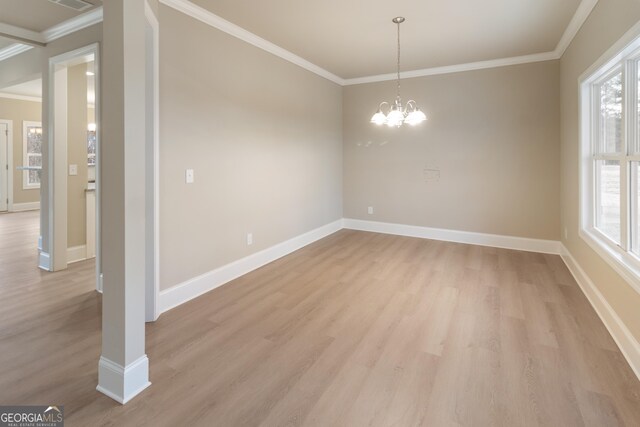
{"x":123,"y":383}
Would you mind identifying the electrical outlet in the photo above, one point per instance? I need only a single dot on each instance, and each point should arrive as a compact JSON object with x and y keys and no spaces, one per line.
{"x":188,"y":176}
{"x":249,"y":239}
{"x":370,"y":210}
{"x":73,"y":170}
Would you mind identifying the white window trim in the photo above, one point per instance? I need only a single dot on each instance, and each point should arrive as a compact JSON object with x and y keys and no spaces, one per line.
{"x":25,"y":156}
{"x":626,"y":264}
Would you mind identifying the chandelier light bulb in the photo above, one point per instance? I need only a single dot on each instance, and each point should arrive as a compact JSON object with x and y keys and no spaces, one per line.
{"x":379,"y":118}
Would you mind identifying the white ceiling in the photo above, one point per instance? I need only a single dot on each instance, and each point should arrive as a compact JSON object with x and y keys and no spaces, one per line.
{"x":37,"y":15}
{"x":356,"y":38}
{"x":32,"y":89}
{"x":5,"y":42}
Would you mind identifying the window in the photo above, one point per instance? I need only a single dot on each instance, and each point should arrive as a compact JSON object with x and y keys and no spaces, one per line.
{"x":610,"y":159}
{"x":32,"y":153}
{"x":91,"y":144}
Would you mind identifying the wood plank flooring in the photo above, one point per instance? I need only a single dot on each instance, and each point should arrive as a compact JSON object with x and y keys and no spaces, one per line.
{"x":357,"y":329}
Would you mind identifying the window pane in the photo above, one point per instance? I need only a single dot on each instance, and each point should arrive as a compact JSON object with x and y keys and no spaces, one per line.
{"x":637,"y":142}
{"x":611,"y":115}
{"x":34,"y":177}
{"x":35,"y":159}
{"x":91,"y":147}
{"x":34,"y":139}
{"x":608,"y":198}
{"x":635,"y":208}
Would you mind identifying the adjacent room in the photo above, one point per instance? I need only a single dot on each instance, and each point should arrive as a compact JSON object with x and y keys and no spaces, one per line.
{"x":242,"y":213}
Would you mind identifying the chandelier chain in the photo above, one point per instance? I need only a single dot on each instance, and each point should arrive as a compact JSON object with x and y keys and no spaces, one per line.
{"x":398,"y":59}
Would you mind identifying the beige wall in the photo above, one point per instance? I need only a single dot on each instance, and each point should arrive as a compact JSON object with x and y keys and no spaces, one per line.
{"x":19,"y":111}
{"x":606,"y":24}
{"x":77,"y":154}
{"x":263,"y":136}
{"x":493,"y":135}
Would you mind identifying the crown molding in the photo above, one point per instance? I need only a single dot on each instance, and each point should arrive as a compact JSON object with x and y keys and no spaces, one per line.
{"x":13,"y":50}
{"x":33,"y":38}
{"x":579,"y":18}
{"x":188,"y":8}
{"x":209,"y":18}
{"x":22,"y":34}
{"x":72,"y":25}
{"x":213,"y":20}
{"x":448,"y":69}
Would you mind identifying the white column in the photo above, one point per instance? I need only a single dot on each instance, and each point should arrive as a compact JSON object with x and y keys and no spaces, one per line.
{"x":123,"y":367}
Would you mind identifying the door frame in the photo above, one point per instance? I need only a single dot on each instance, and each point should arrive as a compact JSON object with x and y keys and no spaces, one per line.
{"x":57,"y":201}
{"x":9,"y":124}
{"x":152,"y":170}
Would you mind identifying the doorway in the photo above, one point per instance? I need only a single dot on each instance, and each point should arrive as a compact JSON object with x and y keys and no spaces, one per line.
{"x":73,"y":184}
{"x":4,"y":166}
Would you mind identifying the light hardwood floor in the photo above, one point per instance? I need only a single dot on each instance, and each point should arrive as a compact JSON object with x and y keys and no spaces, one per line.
{"x":357,"y":329}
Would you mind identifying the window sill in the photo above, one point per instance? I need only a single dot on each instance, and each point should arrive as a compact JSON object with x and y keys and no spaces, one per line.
{"x":623,"y":263}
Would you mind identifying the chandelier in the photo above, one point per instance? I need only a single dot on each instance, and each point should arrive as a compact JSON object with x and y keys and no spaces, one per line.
{"x":397,"y":114}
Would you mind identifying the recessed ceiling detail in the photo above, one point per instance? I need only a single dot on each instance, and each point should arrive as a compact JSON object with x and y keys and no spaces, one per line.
{"x":345,"y":37}
{"x":78,"y":5}
{"x":39,"y":15}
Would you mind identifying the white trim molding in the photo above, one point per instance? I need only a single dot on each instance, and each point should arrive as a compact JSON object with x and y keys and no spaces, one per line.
{"x":467,"y":237}
{"x":188,"y":8}
{"x":623,"y":337}
{"x":215,"y":21}
{"x":183,"y":292}
{"x":76,"y":253}
{"x":22,"y":207}
{"x":44,"y":261}
{"x":582,"y":13}
{"x":13,"y":50}
{"x":9,"y":164}
{"x":458,"y":68}
{"x":579,"y":18}
{"x":123,"y":383}
{"x":22,"y":35}
{"x":192,"y":288}
{"x":72,"y":25}
{"x":31,"y":38}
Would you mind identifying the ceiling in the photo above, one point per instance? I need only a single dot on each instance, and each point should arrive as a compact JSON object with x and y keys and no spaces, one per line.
{"x":5,"y":42}
{"x":357,"y":38}
{"x":32,"y":88}
{"x":37,"y":15}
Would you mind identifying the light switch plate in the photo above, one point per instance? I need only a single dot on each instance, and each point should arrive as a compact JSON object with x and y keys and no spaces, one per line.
{"x":188,"y":176}
{"x":73,"y":170}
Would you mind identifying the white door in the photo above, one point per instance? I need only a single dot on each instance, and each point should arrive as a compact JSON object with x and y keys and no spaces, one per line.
{"x":4,"y":166}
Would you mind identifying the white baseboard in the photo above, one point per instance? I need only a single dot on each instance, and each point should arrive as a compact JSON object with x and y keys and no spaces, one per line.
{"x":76,"y":253}
{"x":123,"y":383}
{"x":21,"y":207}
{"x":627,"y":343}
{"x":44,"y":261}
{"x":197,"y":286}
{"x":468,"y":237}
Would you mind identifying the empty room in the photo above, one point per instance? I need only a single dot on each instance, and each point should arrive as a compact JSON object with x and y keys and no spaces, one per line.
{"x":278,"y":213}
